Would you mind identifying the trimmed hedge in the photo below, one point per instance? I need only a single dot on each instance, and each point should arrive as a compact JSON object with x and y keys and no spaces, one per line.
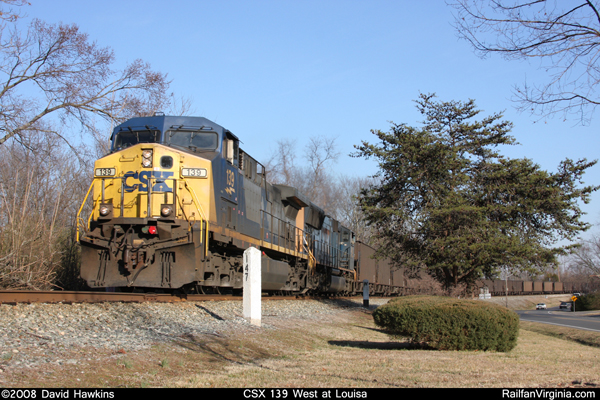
{"x":447,"y":323}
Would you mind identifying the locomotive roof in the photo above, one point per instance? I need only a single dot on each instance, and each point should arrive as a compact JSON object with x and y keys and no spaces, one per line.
{"x":165,"y":122}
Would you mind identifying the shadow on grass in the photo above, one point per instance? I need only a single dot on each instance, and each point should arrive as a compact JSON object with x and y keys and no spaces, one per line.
{"x":363,"y":344}
{"x":350,"y":304}
{"x":217,"y":348}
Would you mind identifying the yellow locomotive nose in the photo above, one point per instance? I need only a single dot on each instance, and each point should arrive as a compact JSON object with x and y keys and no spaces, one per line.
{"x":149,"y":224}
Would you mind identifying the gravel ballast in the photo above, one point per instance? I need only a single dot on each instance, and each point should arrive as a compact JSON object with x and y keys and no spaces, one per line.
{"x":32,"y":334}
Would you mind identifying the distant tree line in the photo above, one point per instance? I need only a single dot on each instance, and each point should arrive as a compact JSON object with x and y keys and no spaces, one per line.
{"x":584,"y":262}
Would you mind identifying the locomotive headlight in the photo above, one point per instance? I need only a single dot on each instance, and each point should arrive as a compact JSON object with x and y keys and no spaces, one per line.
{"x":166,"y":210}
{"x":147,"y":158}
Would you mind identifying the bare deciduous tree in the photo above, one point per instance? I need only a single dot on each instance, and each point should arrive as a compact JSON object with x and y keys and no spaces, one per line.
{"x":9,"y":14}
{"x":54,"y":81}
{"x":349,"y":211}
{"x":585,"y":260}
{"x":40,"y":190}
{"x":54,"y":70}
{"x":281,"y":165}
{"x":313,"y":178}
{"x":563,"y":35}
{"x":320,"y":152}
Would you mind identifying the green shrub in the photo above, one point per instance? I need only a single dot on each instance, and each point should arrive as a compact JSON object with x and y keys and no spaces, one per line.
{"x":588,"y":302}
{"x":446,"y":323}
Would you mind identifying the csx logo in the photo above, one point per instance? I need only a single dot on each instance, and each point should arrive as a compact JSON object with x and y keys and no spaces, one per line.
{"x":139,"y":181}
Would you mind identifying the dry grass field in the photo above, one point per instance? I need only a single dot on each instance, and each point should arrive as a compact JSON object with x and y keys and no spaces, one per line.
{"x":343,"y":352}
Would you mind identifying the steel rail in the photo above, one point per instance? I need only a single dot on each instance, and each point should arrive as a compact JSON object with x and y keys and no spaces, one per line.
{"x":59,"y":296}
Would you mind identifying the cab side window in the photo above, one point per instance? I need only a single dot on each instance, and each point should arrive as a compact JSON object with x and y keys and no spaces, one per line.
{"x":231,"y":150}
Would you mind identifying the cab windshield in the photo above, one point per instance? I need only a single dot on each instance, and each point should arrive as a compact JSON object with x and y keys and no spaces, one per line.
{"x":193,"y":140}
{"x":129,"y":138}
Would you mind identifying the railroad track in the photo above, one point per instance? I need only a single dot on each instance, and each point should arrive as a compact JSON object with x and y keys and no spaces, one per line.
{"x":51,"y":296}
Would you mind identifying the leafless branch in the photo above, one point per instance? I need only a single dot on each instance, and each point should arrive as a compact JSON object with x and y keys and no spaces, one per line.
{"x":66,"y":75}
{"x":563,"y":35}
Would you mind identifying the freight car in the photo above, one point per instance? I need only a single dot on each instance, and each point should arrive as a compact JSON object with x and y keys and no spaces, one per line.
{"x":498,"y":287}
{"x":177,"y":201}
{"x":383,"y":278}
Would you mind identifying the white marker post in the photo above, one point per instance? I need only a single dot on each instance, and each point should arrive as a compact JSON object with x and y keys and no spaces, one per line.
{"x":366,"y":293}
{"x":252,"y":285}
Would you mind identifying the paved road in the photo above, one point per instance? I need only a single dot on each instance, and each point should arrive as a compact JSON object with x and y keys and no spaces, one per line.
{"x":589,"y":321}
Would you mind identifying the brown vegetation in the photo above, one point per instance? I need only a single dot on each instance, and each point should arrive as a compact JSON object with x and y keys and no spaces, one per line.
{"x":56,"y":83}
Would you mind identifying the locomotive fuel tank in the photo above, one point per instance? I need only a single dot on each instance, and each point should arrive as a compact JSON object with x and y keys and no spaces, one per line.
{"x":274,"y":274}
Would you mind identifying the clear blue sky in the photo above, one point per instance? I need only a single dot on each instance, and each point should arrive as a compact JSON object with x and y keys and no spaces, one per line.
{"x":274,"y":69}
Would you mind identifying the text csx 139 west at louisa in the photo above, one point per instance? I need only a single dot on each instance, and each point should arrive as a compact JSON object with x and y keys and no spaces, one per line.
{"x":304,"y":394}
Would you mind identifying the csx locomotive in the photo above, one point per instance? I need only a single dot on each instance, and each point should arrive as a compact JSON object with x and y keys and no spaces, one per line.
{"x":177,"y":201}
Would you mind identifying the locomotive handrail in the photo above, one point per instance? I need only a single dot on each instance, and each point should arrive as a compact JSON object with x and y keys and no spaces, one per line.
{"x":312,"y":261}
{"x":195,"y":200}
{"x":326,"y":254}
{"x":289,"y":242}
{"x":316,"y":250}
{"x":202,"y":215}
{"x":81,"y":207}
